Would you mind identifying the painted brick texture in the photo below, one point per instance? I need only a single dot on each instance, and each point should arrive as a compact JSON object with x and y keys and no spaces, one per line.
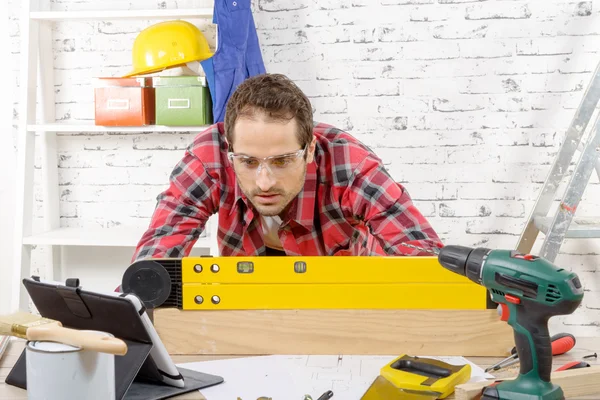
{"x":465,"y":101}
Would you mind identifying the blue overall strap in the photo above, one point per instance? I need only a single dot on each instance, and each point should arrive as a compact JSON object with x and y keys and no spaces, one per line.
{"x":238,"y":55}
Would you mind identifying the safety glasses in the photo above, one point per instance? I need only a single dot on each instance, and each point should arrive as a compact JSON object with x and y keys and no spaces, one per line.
{"x":278,"y":166}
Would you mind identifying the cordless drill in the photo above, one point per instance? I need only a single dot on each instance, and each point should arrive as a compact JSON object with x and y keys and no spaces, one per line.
{"x":529,"y":290}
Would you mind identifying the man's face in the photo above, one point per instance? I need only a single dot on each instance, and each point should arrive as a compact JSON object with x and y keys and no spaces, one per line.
{"x":269,"y":185}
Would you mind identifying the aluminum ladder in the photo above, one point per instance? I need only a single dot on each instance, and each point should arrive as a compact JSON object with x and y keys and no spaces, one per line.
{"x":563,"y":223}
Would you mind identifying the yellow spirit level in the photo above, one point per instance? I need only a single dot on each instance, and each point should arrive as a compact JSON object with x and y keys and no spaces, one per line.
{"x":315,"y":282}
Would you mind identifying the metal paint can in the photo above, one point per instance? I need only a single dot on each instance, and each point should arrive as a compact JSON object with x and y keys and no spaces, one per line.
{"x":57,"y":371}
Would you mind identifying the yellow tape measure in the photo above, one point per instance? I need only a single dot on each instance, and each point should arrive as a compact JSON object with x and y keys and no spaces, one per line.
{"x":425,"y":374}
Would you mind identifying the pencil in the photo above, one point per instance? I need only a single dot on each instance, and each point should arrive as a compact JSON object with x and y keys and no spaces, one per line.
{"x":33,"y":327}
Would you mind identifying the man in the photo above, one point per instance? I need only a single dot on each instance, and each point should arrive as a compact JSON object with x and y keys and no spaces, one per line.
{"x":282,"y":185}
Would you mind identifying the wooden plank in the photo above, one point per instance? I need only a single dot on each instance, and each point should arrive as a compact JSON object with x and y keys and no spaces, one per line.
{"x":367,"y":332}
{"x":577,"y":382}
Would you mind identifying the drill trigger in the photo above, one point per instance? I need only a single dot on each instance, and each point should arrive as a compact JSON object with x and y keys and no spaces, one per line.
{"x":503,"y":312}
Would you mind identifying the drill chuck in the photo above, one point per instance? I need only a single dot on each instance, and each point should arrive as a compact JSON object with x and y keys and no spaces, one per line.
{"x":466,"y":261}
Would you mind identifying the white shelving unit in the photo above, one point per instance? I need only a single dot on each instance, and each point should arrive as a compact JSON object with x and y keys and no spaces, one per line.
{"x":119,"y":14}
{"x":78,"y":127}
{"x":112,"y":237}
{"x":37,"y":89}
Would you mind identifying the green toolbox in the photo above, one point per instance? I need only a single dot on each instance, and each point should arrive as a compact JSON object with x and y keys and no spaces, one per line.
{"x":182,"y":101}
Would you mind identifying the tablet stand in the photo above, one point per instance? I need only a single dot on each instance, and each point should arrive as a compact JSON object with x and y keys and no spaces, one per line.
{"x":135,"y":372}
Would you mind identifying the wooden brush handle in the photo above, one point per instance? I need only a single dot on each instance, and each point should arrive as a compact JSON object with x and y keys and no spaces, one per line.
{"x":86,"y":340}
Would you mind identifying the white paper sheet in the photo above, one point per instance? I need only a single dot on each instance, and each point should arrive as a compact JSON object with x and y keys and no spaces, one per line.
{"x":249,"y":378}
{"x":291,"y":377}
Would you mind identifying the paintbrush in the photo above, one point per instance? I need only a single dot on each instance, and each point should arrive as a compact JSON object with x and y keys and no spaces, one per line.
{"x":33,"y":327}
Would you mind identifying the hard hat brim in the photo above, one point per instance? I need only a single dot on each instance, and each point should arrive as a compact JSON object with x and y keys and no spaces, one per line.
{"x":151,"y":70}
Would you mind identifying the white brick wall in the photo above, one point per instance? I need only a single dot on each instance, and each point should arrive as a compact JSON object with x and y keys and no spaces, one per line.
{"x":466,"y":102}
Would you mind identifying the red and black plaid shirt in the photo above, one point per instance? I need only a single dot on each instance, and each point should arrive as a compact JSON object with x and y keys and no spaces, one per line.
{"x":349,"y":205}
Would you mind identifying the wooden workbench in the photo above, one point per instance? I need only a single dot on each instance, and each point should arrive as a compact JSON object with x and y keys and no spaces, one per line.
{"x":584,"y":347}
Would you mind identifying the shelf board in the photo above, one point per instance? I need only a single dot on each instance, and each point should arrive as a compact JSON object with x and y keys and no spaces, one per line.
{"x":90,"y":127}
{"x":120,"y":14}
{"x":113,"y":237}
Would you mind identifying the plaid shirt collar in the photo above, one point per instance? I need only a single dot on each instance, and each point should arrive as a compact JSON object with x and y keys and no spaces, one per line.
{"x":301,"y":210}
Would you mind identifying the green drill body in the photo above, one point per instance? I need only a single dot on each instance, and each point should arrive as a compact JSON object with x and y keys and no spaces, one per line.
{"x":530,"y":290}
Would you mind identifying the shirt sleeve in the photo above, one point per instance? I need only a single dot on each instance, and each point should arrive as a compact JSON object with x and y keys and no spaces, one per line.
{"x":385,"y":206}
{"x":181,"y":212}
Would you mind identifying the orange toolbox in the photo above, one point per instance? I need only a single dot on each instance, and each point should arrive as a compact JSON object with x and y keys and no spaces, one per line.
{"x":124,"y":102}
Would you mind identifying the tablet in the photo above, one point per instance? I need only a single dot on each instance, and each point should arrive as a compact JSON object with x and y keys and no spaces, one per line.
{"x":169,"y":373}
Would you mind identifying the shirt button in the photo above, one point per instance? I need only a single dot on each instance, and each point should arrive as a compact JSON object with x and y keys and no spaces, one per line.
{"x":234,"y":3}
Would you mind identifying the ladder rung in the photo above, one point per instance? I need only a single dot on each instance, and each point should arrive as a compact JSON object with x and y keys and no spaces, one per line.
{"x":579,"y":228}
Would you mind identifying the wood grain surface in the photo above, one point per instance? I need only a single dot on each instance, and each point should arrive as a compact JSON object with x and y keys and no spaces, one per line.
{"x":585,"y":346}
{"x":574,"y":383}
{"x":367,"y":332}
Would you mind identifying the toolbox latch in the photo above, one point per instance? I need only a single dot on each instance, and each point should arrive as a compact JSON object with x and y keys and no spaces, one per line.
{"x":71,"y":296}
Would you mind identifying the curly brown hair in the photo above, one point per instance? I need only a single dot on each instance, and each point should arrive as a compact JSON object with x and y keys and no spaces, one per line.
{"x":276,"y":96}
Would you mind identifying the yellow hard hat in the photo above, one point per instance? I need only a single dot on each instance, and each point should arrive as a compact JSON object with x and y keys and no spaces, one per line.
{"x":167,"y":44}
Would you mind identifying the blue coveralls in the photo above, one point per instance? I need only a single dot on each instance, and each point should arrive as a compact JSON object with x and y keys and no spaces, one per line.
{"x":238,"y":53}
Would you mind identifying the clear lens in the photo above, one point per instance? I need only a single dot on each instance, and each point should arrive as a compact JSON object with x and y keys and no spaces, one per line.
{"x":278,"y":166}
